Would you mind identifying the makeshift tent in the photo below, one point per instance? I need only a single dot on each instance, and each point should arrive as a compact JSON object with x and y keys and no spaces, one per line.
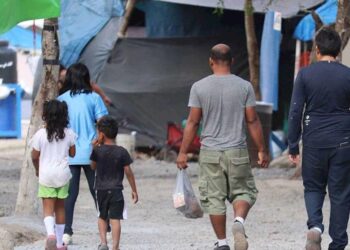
{"x":22,"y":38}
{"x":149,"y":80}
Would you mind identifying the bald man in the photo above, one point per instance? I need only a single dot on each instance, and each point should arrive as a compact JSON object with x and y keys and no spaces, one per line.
{"x":226,"y":105}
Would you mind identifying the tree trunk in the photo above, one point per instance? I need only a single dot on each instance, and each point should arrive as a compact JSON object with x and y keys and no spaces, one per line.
{"x":252,"y":47}
{"x":27,"y":201}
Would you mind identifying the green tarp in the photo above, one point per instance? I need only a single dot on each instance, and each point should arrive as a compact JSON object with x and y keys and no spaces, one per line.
{"x":15,"y":11}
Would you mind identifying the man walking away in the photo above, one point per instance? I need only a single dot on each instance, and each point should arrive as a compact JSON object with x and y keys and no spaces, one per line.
{"x":320,"y":111}
{"x":227,"y":105}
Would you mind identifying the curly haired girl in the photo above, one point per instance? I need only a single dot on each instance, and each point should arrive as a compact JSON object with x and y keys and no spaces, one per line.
{"x":51,"y":147}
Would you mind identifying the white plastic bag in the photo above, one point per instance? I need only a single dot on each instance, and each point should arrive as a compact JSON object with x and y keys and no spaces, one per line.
{"x":184,"y":198}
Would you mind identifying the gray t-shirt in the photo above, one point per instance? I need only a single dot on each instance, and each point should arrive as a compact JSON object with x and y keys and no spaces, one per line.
{"x":223,"y":99}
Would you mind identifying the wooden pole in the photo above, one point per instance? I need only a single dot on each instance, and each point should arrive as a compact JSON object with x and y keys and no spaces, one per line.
{"x":252,"y":48}
{"x":128,"y":11}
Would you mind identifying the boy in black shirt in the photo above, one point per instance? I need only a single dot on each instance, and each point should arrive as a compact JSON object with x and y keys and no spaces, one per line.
{"x":110,"y":162}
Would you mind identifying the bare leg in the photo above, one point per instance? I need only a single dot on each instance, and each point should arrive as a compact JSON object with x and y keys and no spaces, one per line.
{"x":116,"y":230}
{"x":60,"y":220}
{"x":59,"y":211}
{"x":219,"y":225}
{"x":102,"y":228}
{"x":49,"y":206}
{"x":241,"y":209}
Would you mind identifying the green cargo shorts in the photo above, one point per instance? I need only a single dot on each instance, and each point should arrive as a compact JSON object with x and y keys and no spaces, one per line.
{"x":225,"y":175}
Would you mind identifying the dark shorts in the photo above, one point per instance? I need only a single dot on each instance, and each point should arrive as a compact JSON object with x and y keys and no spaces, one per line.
{"x":110,"y":204}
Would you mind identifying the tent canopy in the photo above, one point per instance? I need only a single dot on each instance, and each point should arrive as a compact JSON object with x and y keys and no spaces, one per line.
{"x":286,"y":7}
{"x":22,"y":38}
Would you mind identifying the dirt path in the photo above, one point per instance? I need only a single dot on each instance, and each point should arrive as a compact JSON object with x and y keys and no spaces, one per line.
{"x":277,"y":221}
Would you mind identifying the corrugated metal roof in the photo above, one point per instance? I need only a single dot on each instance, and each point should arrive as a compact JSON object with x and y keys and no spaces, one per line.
{"x":288,"y":8}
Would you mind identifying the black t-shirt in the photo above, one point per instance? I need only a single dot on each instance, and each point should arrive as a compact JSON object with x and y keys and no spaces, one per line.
{"x":110,"y":162}
{"x":323,"y":89}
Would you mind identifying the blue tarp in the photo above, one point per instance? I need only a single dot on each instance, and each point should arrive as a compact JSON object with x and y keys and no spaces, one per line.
{"x":269,"y":58}
{"x":21,"y":38}
{"x":80,"y":21}
{"x":306,"y":28}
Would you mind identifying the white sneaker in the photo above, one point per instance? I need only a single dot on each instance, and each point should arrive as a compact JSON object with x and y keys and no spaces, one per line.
{"x":67,"y":239}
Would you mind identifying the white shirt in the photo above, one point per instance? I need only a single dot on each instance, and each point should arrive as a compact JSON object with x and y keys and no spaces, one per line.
{"x":53,"y":164}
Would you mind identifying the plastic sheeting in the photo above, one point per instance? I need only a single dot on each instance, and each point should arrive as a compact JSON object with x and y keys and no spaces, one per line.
{"x":179,"y":20}
{"x":96,"y":53}
{"x":269,"y":59}
{"x":149,"y":80}
{"x":94,"y":56}
{"x":80,"y":21}
{"x":22,"y":38}
{"x":288,"y":8}
{"x":306,"y":28}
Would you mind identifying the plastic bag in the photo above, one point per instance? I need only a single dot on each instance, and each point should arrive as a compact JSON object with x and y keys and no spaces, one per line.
{"x":184,"y":198}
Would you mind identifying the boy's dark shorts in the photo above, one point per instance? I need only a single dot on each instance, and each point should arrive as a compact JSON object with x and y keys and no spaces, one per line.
{"x":110,"y":204}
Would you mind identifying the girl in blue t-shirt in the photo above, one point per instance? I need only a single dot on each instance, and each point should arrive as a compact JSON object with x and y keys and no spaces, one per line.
{"x":85,"y":109}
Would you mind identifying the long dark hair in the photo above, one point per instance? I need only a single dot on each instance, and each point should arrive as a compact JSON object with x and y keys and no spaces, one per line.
{"x":55,"y":115}
{"x":77,"y":80}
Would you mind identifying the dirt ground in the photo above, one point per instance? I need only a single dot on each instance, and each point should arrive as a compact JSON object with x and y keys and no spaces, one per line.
{"x":276,"y":222}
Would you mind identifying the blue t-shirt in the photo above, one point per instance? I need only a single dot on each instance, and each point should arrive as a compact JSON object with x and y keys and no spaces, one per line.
{"x":83,"y":110}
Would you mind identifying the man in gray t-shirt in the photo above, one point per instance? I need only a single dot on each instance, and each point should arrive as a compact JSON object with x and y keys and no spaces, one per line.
{"x":223,"y":99}
{"x":226,"y":105}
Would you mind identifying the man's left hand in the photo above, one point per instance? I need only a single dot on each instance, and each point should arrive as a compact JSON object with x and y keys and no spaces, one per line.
{"x":182,"y":161}
{"x":263,"y":159}
{"x":294,"y":159}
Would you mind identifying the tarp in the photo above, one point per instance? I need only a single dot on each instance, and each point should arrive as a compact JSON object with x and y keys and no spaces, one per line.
{"x":81,"y":20}
{"x":288,"y":8}
{"x":306,"y":28}
{"x":22,"y":38}
{"x":269,"y":58}
{"x":178,"y":20}
{"x":15,"y":11}
{"x":149,"y":80}
{"x":96,"y":53}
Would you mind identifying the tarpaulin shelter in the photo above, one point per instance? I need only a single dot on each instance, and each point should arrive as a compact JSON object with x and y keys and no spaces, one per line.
{"x":149,"y":78}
